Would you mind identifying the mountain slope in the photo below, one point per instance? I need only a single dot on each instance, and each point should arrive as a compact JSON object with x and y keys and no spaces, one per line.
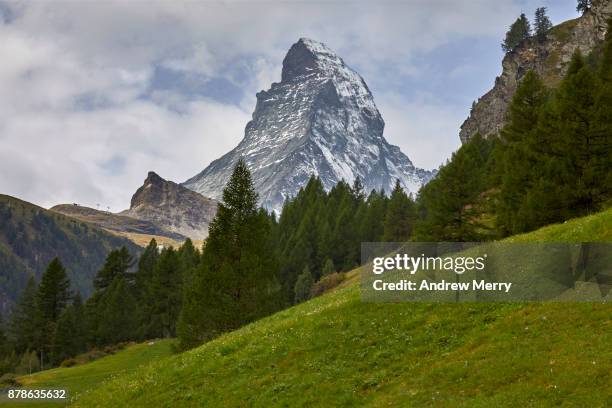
{"x":338,"y":351}
{"x":30,"y":237}
{"x":549,"y":59}
{"x":80,"y":378}
{"x":172,"y":207}
{"x":114,"y":222}
{"x":320,"y":119}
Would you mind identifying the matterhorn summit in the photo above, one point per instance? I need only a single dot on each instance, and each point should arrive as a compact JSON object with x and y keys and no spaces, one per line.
{"x":320,"y":119}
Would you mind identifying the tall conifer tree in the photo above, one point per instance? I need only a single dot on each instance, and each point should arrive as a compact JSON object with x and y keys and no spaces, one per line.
{"x":146,"y":265}
{"x":519,"y":31}
{"x":163,"y":299}
{"x":24,"y":323}
{"x":51,"y":299}
{"x":116,"y":320}
{"x":303,"y":285}
{"x":542,"y":23}
{"x":523,"y":155}
{"x":238,"y":279}
{"x":400,"y":217}
{"x":117,"y":264}
{"x":53,"y":292}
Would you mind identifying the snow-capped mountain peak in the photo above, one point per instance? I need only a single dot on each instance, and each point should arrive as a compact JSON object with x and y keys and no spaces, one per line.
{"x":320,"y":119}
{"x":309,"y":57}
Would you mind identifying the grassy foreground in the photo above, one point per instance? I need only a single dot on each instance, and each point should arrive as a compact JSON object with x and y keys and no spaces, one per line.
{"x":337,"y":351}
{"x":84,"y":377}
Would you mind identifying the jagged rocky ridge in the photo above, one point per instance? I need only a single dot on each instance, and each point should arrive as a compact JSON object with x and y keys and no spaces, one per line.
{"x":172,"y":207}
{"x":320,"y":119}
{"x":549,"y":59}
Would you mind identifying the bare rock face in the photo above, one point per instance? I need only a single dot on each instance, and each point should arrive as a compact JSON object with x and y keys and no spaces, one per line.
{"x":548,"y":58}
{"x":172,"y":207}
{"x":320,"y":119}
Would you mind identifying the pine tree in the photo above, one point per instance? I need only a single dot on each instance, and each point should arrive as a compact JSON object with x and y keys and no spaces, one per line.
{"x":79,"y":335}
{"x":523,"y":151}
{"x":237,"y":281}
{"x":146,"y":265}
{"x":64,"y":342}
{"x":347,"y":239}
{"x":7,"y":352}
{"x":303,"y":286}
{"x":304,"y":234}
{"x":584,"y":5}
{"x":117,"y":264}
{"x":163,"y":300}
{"x":189,"y":259}
{"x":575,"y":140}
{"x":448,"y":205}
{"x":519,"y":31}
{"x":328,"y":267}
{"x":239,"y":199}
{"x":341,"y":208}
{"x":24,"y":323}
{"x":525,"y":107}
{"x":542,"y":23}
{"x":53,"y":292}
{"x":70,"y":337}
{"x":189,"y":256}
{"x":601,"y":136}
{"x":357,"y":190}
{"x":400,"y":217}
{"x":28,"y":363}
{"x":4,"y":346}
{"x":51,"y":299}
{"x":372,"y":224}
{"x":112,"y":312}
{"x":116,"y":320}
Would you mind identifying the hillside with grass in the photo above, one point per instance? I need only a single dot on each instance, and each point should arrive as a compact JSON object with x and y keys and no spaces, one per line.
{"x":336,"y":350}
{"x":81,"y":378}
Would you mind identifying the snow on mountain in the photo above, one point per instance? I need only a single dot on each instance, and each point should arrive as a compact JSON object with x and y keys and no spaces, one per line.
{"x":320,"y":119}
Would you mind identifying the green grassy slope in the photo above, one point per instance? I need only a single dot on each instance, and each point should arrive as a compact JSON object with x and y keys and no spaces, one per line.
{"x":594,"y":228}
{"x":84,"y":377}
{"x":337,"y":351}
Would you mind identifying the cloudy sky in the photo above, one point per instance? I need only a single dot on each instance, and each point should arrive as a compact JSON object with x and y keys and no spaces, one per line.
{"x":93,"y":94}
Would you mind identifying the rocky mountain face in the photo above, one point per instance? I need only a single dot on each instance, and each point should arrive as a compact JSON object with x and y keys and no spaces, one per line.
{"x":320,"y":119}
{"x":549,"y":58}
{"x":172,"y":207}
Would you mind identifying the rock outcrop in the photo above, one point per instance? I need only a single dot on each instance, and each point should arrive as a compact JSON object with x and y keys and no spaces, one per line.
{"x":548,"y":58}
{"x":172,"y":207}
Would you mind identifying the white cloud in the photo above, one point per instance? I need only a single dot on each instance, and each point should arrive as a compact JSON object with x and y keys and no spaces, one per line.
{"x":74,"y":125}
{"x":103,"y":156}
